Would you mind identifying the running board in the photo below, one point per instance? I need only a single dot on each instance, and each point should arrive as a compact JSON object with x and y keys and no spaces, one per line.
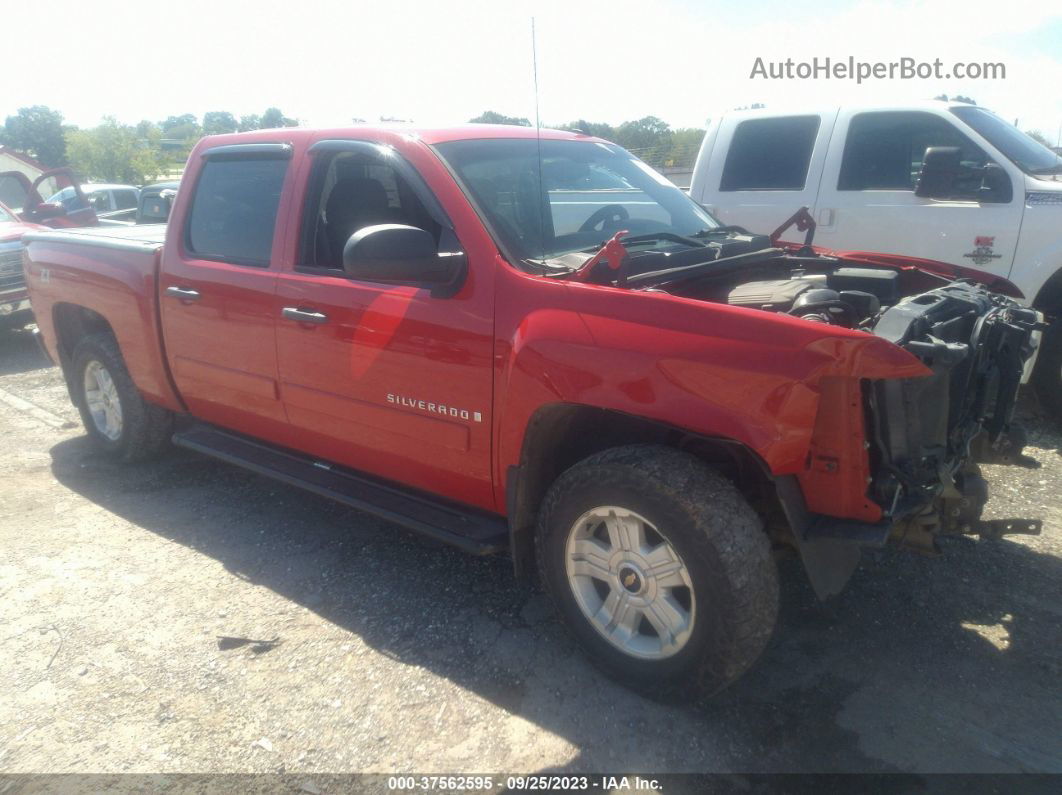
{"x":477,"y":533}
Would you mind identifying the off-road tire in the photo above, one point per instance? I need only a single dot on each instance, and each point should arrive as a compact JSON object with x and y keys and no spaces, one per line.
{"x":713,"y":529}
{"x":1047,"y":377}
{"x":146,"y":428}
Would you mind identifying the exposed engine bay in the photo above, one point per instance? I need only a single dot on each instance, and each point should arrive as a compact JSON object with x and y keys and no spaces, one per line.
{"x":926,"y":434}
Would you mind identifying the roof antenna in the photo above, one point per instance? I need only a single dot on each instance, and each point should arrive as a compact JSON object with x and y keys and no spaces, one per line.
{"x":538,"y":139}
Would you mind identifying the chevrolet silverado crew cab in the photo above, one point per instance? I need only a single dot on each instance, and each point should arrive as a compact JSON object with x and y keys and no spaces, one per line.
{"x":540,"y":345}
{"x":941,"y":180}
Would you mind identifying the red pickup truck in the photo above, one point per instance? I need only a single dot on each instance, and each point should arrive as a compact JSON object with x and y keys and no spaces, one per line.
{"x":537,"y":344}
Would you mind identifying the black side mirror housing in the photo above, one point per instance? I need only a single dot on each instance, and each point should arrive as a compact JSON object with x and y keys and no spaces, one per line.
{"x":403,"y":254}
{"x":940,"y":168}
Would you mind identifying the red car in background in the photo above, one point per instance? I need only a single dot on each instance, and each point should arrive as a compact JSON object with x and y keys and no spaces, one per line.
{"x":22,"y":209}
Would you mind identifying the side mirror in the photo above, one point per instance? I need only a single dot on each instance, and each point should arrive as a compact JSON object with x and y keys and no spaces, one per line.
{"x":940,"y":167}
{"x":46,"y":211}
{"x":400,"y":253}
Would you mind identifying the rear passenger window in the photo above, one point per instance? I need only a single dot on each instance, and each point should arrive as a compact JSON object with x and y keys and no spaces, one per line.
{"x":234,"y":209}
{"x":770,"y":154}
{"x":124,"y":199}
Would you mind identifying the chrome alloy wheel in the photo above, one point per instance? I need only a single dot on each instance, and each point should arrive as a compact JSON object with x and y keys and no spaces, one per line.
{"x":630,"y":583}
{"x":101,"y":397}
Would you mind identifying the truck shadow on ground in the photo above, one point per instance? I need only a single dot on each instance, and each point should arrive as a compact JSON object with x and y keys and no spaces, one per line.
{"x":19,"y":352}
{"x":921,"y":665}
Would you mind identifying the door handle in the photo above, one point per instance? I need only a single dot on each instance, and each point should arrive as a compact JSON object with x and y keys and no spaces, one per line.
{"x":304,"y":315}
{"x":183,"y":293}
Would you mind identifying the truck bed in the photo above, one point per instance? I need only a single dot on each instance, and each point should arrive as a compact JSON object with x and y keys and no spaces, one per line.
{"x":102,"y":278}
{"x":141,"y":237}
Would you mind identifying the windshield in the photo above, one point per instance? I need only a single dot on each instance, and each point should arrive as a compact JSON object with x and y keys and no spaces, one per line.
{"x":5,"y":215}
{"x":587,"y":192}
{"x":1026,"y":153}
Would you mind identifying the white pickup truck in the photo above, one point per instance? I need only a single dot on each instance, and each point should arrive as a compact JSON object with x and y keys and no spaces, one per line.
{"x":940,"y":180}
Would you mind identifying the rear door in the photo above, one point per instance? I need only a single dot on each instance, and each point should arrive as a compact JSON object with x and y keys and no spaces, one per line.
{"x":867,"y":200}
{"x":217,"y":282}
{"x":765,"y":168}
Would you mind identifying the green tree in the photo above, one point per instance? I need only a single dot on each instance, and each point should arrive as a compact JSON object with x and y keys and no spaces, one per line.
{"x":184,"y":127}
{"x":216,"y":122}
{"x":114,"y":152}
{"x":1039,"y":137}
{"x":648,"y":138}
{"x":251,"y":122}
{"x":273,"y":118}
{"x":38,"y":132}
{"x":685,"y":144}
{"x":493,"y":117}
{"x":599,"y":129}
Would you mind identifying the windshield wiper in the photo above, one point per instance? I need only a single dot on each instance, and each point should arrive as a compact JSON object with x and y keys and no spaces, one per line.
{"x":653,"y":237}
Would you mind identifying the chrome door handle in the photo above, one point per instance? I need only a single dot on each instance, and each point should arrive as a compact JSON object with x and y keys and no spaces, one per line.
{"x":183,"y":293}
{"x":304,"y":315}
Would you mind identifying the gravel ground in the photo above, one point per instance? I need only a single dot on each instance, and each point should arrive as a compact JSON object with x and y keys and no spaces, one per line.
{"x":394,"y":654}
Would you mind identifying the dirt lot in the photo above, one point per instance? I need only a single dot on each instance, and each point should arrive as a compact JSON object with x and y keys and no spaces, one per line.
{"x":394,"y":654}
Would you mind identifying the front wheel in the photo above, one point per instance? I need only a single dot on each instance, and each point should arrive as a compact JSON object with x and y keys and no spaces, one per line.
{"x":118,"y":420}
{"x":659,"y":567}
{"x":1047,"y":377}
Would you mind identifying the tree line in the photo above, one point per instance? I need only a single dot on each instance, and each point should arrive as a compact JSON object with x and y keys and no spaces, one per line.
{"x":140,"y":153}
{"x":116,"y":152}
{"x":649,"y":138}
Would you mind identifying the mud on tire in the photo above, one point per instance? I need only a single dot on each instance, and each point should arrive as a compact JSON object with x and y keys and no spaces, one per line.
{"x":730,"y":604}
{"x":133,"y":430}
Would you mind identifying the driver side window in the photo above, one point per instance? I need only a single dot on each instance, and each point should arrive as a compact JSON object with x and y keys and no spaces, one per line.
{"x":884,"y":151}
{"x":348,"y":192}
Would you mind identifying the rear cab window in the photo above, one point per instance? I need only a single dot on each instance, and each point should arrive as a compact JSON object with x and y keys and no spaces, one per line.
{"x":234,"y":207}
{"x":770,"y":154}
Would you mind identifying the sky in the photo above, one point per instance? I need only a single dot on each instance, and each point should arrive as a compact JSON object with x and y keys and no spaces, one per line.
{"x":326,"y":62}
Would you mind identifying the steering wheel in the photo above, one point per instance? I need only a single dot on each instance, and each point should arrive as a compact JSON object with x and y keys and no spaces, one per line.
{"x":609,"y":215}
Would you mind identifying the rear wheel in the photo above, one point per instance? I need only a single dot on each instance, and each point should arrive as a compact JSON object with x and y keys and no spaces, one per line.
{"x":118,"y":420}
{"x":660,"y":568}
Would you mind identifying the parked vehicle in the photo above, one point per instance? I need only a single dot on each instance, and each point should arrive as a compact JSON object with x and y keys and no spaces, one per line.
{"x":111,"y":202}
{"x":156,"y":200}
{"x":14,"y":299}
{"x":23,"y":197}
{"x":429,"y":327}
{"x":32,"y":213}
{"x":942,"y":180}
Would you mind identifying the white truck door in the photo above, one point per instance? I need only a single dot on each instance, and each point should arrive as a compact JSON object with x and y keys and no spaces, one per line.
{"x":867,"y":198}
{"x":763,"y":168}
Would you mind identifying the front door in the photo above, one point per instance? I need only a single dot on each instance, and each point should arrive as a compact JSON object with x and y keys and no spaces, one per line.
{"x":218,"y":280}
{"x":386,"y":378}
{"x":53,"y":199}
{"x":867,"y":200}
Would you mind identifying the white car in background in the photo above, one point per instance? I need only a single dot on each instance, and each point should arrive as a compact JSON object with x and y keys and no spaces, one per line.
{"x":939,"y":180}
{"x":111,"y":202}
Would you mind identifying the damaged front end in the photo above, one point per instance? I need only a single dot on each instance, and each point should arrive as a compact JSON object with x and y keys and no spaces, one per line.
{"x":927,"y":435}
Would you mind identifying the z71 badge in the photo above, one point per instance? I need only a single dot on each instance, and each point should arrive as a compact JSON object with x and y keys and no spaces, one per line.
{"x":983,"y":253}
